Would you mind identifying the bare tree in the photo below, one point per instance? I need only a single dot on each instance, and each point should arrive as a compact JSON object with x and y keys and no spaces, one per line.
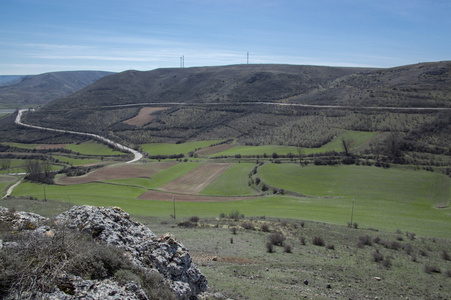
{"x":347,"y":145}
{"x":5,"y":163}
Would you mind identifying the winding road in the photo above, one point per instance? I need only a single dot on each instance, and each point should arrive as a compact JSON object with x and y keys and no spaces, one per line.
{"x":137,"y":155}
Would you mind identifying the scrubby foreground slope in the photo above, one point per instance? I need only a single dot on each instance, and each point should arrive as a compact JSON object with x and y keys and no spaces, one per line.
{"x":45,"y":259}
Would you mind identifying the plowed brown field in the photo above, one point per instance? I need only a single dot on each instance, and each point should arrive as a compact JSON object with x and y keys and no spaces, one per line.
{"x":196,"y":180}
{"x":118,"y":171}
{"x":144,"y":116}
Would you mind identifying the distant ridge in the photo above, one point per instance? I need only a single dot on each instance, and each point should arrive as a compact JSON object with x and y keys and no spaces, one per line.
{"x":20,"y":91}
{"x":425,"y":84}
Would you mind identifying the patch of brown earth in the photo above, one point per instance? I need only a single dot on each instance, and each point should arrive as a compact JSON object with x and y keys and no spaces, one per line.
{"x":196,"y":180}
{"x":214,"y":149}
{"x":161,"y":196}
{"x":144,"y":116}
{"x":117,"y":171}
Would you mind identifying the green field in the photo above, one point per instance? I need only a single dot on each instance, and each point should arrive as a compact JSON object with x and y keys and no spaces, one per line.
{"x":93,"y":148}
{"x":384,"y":199}
{"x":159,"y":179}
{"x":75,"y":161}
{"x":233,"y":182}
{"x":360,"y":139}
{"x":170,"y":149}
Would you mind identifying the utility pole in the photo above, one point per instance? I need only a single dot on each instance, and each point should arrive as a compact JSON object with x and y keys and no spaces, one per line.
{"x":173,"y":199}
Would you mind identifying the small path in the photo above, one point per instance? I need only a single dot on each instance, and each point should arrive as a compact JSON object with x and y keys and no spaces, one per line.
{"x":11,"y":189}
{"x":137,"y":155}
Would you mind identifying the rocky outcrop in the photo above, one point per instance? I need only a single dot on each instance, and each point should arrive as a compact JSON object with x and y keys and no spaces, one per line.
{"x":114,"y":227}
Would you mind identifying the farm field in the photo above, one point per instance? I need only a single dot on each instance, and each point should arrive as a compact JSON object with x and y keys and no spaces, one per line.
{"x":385,"y":199}
{"x":170,"y":149}
{"x":359,"y":138}
{"x":5,"y":182}
{"x":76,"y":161}
{"x":93,"y":148}
{"x":144,"y":116}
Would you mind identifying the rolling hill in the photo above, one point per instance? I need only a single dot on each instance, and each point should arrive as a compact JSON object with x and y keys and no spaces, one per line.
{"x":20,"y":91}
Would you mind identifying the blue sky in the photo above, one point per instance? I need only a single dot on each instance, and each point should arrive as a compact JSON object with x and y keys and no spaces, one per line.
{"x":38,"y":36}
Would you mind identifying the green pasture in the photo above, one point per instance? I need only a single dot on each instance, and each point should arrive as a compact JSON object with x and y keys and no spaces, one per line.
{"x":379,"y":202}
{"x":75,"y":161}
{"x":360,"y":138}
{"x":159,"y":179}
{"x":233,"y":182}
{"x":170,"y":149}
{"x":93,"y":148}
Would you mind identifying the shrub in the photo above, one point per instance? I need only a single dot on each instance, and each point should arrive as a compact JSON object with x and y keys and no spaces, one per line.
{"x":194,"y":219}
{"x":386,"y":263}
{"x":408,"y":248}
{"x":265,"y":227}
{"x":302,"y":239}
{"x":445,"y":255}
{"x":302,"y":224}
{"x":287,"y":249}
{"x":377,"y":240}
{"x":269,"y":247}
{"x":330,"y":247}
{"x":248,"y":225}
{"x":318,"y":241}
{"x":431,"y":269}
{"x":276,"y":239}
{"x":365,"y":240}
{"x":448,"y":273}
{"x":377,"y":256}
{"x":423,"y":252}
{"x":234,"y":214}
{"x":222,"y":215}
{"x":233,"y":230}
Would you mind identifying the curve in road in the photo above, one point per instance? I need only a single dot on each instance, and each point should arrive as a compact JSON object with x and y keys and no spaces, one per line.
{"x":137,"y":155}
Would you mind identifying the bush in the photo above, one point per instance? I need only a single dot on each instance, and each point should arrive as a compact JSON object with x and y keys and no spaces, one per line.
{"x":386,"y":263}
{"x":448,"y":273}
{"x":248,"y":225}
{"x":302,"y":240}
{"x":318,"y":241}
{"x":234,"y":214}
{"x":330,"y":247}
{"x":194,"y":219}
{"x":276,"y":239}
{"x":377,"y":256}
{"x":287,"y":249}
{"x":233,"y":230}
{"x":365,"y":240}
{"x":269,"y":247}
{"x":265,"y":227}
{"x":431,"y":269}
{"x":445,"y":255}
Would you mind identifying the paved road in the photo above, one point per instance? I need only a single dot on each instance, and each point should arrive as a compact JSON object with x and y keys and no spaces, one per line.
{"x":137,"y":155}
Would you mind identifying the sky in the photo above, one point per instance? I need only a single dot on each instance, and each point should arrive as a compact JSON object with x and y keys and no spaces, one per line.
{"x":38,"y":36}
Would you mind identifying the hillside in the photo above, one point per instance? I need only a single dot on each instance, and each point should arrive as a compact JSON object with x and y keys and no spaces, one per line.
{"x":39,"y":89}
{"x":426,"y":84}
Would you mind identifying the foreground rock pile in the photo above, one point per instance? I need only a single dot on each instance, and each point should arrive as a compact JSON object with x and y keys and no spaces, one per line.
{"x":113,"y":226}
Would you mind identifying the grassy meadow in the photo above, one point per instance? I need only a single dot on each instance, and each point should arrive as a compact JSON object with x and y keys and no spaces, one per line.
{"x":385,"y":199}
{"x":170,"y":149}
{"x":360,"y":139}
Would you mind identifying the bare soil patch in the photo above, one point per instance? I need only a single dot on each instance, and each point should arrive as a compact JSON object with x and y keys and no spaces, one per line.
{"x":214,"y":149}
{"x":162,"y":196}
{"x":117,"y":171}
{"x":196,"y":180}
{"x":51,"y":146}
{"x":144,"y":116}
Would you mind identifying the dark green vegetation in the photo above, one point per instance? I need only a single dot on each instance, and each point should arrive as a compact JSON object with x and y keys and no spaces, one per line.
{"x":32,"y":90}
